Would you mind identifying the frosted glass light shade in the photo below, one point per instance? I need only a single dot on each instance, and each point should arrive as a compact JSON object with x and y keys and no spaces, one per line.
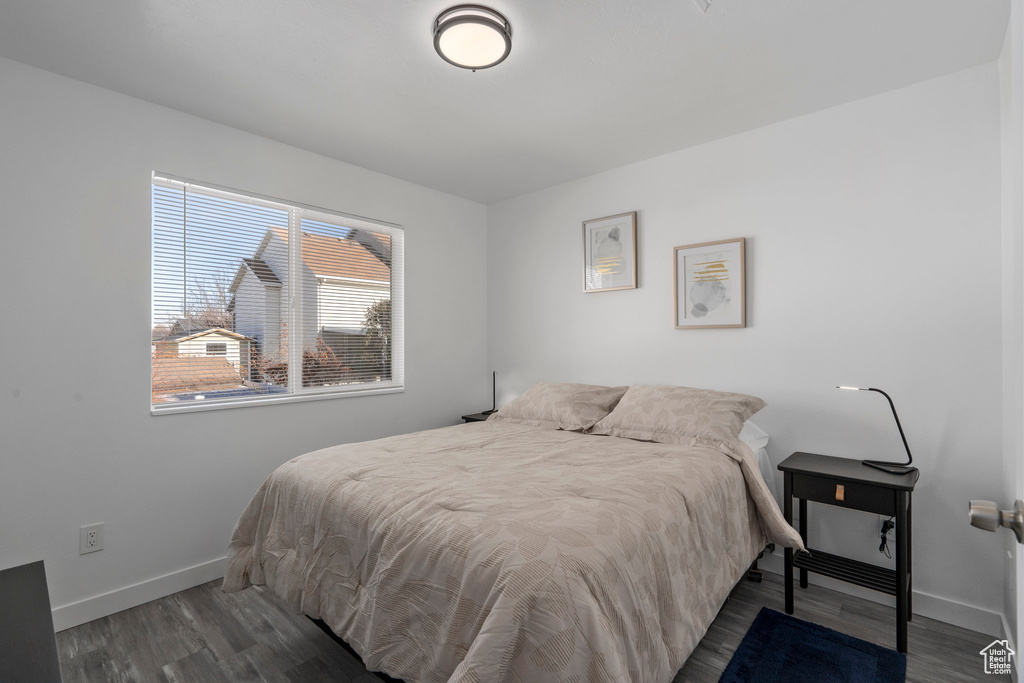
{"x":472,"y":36}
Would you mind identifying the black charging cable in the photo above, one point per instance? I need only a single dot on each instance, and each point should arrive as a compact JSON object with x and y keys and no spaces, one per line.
{"x":887,"y":526}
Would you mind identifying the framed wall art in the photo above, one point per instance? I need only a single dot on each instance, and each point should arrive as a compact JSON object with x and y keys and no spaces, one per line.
{"x":609,"y":253}
{"x":710,"y":285}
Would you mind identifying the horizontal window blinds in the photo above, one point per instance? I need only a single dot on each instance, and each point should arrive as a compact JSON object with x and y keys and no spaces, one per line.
{"x":258,"y":300}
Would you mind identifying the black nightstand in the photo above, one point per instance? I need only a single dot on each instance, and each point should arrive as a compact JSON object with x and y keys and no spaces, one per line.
{"x":476,"y":417}
{"x":847,"y":483}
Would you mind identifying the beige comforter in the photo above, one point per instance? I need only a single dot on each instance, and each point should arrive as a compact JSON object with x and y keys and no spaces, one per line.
{"x":500,"y":552}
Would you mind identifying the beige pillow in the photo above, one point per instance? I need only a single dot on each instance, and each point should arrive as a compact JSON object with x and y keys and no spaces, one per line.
{"x":573,"y":407}
{"x":678,"y":414}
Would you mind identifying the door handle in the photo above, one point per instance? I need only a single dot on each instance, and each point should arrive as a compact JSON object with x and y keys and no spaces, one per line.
{"x":986,"y":515}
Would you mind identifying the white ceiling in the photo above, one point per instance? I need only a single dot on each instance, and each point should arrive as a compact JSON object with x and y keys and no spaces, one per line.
{"x":589,"y":86}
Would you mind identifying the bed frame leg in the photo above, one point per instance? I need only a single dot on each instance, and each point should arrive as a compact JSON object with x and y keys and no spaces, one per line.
{"x":754,"y":574}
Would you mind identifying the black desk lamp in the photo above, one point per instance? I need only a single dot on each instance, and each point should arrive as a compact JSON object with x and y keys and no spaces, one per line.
{"x":891,"y":467}
{"x":494,"y":394}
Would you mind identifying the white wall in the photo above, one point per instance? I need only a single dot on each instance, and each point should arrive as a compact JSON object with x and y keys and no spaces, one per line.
{"x":77,"y":442}
{"x":873,"y":246}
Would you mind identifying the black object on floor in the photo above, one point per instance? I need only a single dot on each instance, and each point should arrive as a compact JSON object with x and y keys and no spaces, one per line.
{"x":782,"y":649}
{"x":348,"y":648}
{"x":28,"y":646}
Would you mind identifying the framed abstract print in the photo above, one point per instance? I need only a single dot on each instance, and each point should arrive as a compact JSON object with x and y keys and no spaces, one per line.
{"x":609,"y":253}
{"x":710,"y":285}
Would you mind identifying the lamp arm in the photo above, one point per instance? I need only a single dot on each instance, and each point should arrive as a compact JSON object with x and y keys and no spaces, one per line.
{"x":910,"y":458}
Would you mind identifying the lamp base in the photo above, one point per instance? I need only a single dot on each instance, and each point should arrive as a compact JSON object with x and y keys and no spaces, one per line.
{"x":890,"y":467}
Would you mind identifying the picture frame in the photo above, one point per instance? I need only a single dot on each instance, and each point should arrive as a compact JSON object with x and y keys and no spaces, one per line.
{"x":609,"y":253}
{"x":710,"y":284}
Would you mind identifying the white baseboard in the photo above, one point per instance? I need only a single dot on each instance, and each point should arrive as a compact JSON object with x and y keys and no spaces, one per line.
{"x":96,"y":607}
{"x":925,"y":604}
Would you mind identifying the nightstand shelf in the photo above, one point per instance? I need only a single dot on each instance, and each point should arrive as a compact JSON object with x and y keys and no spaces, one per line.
{"x":851,"y":571}
{"x":476,"y":417}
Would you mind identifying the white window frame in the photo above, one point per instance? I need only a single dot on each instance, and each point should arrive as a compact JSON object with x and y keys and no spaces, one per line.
{"x":296,"y":212}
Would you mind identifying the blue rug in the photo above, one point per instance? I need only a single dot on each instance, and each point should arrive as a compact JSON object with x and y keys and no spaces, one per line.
{"x":782,"y":649}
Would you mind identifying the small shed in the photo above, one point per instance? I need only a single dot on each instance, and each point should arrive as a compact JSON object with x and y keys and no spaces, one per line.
{"x":216,"y":342}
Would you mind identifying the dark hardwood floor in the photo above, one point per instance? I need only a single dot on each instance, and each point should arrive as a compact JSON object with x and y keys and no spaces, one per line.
{"x":204,"y":635}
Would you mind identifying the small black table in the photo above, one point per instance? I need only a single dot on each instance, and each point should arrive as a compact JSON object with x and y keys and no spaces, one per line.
{"x":847,"y":483}
{"x":28,"y":646}
{"x":476,"y":417}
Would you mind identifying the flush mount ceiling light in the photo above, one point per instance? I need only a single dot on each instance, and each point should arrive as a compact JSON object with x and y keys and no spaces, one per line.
{"x":472,"y":36}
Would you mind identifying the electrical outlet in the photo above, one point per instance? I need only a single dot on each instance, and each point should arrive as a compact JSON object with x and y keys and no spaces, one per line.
{"x":90,"y":538}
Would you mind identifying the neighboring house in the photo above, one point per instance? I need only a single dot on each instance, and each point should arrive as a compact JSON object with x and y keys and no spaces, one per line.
{"x":341,"y":279}
{"x":256,"y":296}
{"x":216,"y":342}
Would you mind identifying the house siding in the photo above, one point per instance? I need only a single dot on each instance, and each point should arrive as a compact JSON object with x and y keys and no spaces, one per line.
{"x":275,"y":253}
{"x":250,"y":307}
{"x":355,"y":299}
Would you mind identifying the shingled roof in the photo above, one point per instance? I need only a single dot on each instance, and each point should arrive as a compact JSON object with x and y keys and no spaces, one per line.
{"x":339,"y":257}
{"x":262,"y":270}
{"x":214,"y":330}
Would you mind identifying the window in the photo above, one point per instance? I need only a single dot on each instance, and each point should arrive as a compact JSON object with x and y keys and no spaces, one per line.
{"x":214,"y":349}
{"x":261,"y":300}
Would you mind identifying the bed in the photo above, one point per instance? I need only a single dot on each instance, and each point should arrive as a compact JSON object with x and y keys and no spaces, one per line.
{"x":566,"y":538}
